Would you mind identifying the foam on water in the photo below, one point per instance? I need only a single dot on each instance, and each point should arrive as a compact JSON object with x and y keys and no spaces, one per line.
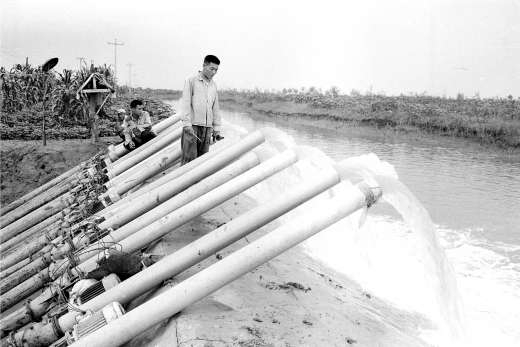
{"x":489,"y":282}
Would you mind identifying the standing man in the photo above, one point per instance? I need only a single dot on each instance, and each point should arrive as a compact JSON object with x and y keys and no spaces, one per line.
{"x":137,"y":127}
{"x":200,"y":111}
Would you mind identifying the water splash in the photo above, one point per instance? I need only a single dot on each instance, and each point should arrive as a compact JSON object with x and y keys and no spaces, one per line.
{"x":428,"y":285}
{"x":426,"y":250}
{"x":434,"y":259}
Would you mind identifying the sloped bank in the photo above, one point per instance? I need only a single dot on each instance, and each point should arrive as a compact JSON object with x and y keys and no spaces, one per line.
{"x":26,"y":165}
{"x":290,"y":301}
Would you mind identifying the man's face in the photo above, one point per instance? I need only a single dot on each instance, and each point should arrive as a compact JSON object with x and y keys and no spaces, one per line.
{"x":209,"y":70}
{"x":137,"y":110}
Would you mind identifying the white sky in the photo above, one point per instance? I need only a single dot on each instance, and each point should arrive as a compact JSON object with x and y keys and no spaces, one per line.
{"x":395,"y":46}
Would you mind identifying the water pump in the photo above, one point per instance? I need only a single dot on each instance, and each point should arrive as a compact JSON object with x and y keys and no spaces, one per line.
{"x":90,"y":322}
{"x":87,"y":289}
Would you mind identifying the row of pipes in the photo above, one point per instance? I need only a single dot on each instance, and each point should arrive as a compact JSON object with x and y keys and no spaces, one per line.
{"x":53,"y":236}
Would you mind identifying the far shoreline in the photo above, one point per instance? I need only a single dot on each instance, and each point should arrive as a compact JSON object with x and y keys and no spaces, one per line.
{"x":503,"y":134}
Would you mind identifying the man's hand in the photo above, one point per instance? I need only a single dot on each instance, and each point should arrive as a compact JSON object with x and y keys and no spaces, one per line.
{"x":189,"y":130}
{"x":217,"y":136}
{"x":130,"y":144}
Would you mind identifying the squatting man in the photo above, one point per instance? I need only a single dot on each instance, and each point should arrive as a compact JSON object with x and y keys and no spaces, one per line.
{"x":136,"y":127}
{"x":200,"y":113}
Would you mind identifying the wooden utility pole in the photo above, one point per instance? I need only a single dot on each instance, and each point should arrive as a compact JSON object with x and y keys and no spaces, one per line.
{"x":115,"y":44}
{"x":130,"y":75}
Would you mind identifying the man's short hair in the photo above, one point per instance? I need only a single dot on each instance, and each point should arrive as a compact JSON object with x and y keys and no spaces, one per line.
{"x":135,"y":103}
{"x":211,"y":59}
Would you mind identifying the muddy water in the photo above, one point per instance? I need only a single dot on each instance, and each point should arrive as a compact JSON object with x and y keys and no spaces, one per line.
{"x":472,"y":194}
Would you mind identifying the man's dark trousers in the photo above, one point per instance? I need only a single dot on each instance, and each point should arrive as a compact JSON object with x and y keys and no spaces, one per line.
{"x":195,"y":146}
{"x":139,"y":138}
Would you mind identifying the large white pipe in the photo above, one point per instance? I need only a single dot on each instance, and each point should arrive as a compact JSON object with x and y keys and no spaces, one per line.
{"x":29,"y":196}
{"x":144,"y":170}
{"x":172,"y":175}
{"x":135,"y":169}
{"x":116,"y":152}
{"x":271,"y":134}
{"x":196,"y":190}
{"x":214,"y":277}
{"x":36,"y":216}
{"x":207,"y":245}
{"x":55,"y":205}
{"x":239,"y":167}
{"x":32,"y":248}
{"x":144,"y":146}
{"x":126,"y":164}
{"x":179,"y":200}
{"x":187,"y":256}
{"x":41,"y":227}
{"x":133,"y":242}
{"x":153,"y":197}
{"x":43,"y":198}
{"x":119,"y":150}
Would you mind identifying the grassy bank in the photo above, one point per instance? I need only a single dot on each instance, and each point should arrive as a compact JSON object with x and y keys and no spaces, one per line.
{"x":492,"y":121}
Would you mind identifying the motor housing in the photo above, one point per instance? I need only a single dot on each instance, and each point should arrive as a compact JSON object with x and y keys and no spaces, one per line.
{"x":94,"y":321}
{"x":87,"y":289}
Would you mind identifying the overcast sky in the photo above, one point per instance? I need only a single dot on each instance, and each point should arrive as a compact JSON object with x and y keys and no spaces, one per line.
{"x":395,"y":46}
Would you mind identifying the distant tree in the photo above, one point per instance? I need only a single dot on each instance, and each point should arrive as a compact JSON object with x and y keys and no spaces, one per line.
{"x":333,"y":91}
{"x":355,"y":93}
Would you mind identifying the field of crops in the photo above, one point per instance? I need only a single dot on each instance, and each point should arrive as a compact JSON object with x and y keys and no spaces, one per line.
{"x":494,"y":120}
{"x":28,"y":93}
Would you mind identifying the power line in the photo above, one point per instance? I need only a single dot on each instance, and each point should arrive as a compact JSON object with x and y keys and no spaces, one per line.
{"x":115,"y":44}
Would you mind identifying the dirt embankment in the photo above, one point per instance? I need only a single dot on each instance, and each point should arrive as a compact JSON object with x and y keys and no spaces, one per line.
{"x":27,"y":165}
